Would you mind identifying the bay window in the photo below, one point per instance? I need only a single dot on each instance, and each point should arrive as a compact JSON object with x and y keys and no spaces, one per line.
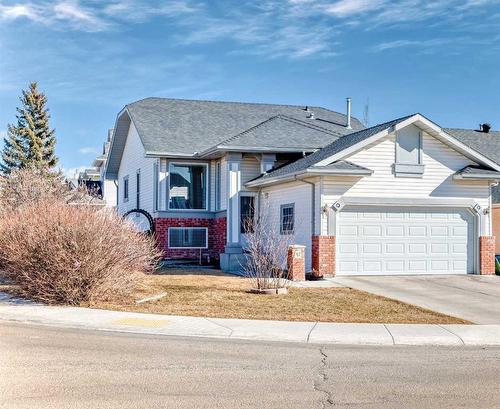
{"x":188,"y":186}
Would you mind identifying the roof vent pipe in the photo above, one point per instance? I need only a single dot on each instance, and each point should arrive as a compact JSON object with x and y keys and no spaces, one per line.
{"x":485,"y":128}
{"x":348,"y":124}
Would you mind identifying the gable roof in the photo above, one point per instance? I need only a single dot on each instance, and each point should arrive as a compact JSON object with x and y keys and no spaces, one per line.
{"x":188,"y":126}
{"x":333,"y":151}
{"x":301,"y":165}
{"x":279,"y":132}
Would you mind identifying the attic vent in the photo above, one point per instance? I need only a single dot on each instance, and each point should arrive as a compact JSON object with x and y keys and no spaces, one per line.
{"x":311,"y":115}
{"x":485,"y":128}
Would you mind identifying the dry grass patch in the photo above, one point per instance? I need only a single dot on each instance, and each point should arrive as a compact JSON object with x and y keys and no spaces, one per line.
{"x":214,"y":294}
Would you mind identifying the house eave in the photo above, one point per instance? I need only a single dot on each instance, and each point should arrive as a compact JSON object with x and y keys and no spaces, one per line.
{"x":303,"y":174}
{"x":473,"y":176}
{"x":222,"y":149}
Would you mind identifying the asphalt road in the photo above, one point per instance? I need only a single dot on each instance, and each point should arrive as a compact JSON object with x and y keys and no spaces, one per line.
{"x":60,"y":368}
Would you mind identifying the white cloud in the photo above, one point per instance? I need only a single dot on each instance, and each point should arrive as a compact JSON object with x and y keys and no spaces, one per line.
{"x":72,"y":173}
{"x":74,"y":13}
{"x":89,"y":149}
{"x":19,"y":11}
{"x":344,"y":8}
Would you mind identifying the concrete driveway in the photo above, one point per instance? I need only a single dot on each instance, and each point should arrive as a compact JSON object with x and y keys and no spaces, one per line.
{"x":474,"y":298}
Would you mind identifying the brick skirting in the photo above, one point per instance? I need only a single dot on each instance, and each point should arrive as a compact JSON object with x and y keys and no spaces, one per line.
{"x":487,"y":255}
{"x":323,"y":255}
{"x":216,"y":237}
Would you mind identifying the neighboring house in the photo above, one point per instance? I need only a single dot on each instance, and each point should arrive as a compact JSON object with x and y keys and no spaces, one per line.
{"x":91,"y":179}
{"x":403,"y":197}
{"x":108,"y":187}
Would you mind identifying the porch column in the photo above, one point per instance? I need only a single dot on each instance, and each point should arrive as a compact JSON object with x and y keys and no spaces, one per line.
{"x":233,"y":202}
{"x":233,"y":259}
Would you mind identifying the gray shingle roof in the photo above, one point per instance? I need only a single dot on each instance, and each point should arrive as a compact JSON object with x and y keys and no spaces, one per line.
{"x":478,"y":171}
{"x":281,"y":131}
{"x":329,"y":150}
{"x":187,"y":126}
{"x":343,"y":165}
{"x":488,"y":144}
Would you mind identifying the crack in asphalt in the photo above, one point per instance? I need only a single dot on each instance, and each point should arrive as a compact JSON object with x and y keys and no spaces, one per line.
{"x":328,"y":400}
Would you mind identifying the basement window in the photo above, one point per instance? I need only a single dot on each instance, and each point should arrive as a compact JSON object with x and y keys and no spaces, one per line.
{"x":188,"y":237}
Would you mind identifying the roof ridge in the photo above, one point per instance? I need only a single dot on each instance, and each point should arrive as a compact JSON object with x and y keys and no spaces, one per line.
{"x":274,"y":117}
{"x":242,"y":103}
{"x":231,"y":138}
{"x":308,"y":125}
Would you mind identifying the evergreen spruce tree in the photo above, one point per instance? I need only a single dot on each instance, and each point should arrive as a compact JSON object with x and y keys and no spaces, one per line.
{"x":31,"y":142}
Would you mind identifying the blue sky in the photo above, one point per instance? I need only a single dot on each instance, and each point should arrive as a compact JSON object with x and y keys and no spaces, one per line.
{"x":440,"y":58}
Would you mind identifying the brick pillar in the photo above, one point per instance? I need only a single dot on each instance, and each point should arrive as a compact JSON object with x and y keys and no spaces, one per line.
{"x":323,"y":255}
{"x":487,"y":255}
{"x":296,"y":263}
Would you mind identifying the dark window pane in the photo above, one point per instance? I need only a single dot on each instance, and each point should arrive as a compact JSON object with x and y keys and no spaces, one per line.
{"x":188,"y":238}
{"x":287,"y":219}
{"x":247,"y":211}
{"x":188,"y":184}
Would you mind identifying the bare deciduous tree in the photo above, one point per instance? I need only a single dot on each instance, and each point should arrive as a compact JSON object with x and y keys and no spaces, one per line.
{"x":267,"y":251}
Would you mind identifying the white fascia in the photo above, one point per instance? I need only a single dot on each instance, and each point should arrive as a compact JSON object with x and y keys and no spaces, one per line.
{"x":427,"y":126}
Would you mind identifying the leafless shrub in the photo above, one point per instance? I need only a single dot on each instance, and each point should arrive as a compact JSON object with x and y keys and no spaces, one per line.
{"x":62,"y":254}
{"x":267,"y":251}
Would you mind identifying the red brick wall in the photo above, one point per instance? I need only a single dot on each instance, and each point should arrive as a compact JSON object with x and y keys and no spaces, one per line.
{"x":296,"y":263}
{"x":323,"y":255}
{"x":487,"y":254}
{"x":216,"y":237}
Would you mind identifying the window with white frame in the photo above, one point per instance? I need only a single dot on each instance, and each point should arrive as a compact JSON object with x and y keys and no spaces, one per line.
{"x":287,"y":218}
{"x":188,"y":186}
{"x":247,"y":214}
{"x":188,"y":237}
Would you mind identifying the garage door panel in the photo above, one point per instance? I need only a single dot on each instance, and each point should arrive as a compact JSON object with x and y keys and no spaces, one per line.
{"x":404,"y":241}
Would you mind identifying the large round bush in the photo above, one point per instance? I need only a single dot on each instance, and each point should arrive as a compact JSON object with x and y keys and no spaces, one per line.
{"x":58,"y":253}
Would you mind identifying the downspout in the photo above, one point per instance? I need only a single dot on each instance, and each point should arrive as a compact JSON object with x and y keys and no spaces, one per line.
{"x":117,"y":193}
{"x":313,"y":201}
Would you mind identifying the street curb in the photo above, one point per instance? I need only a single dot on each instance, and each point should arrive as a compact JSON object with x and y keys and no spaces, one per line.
{"x":253,"y":330}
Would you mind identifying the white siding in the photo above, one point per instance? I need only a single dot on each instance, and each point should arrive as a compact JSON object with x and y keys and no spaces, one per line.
{"x":134,"y":159}
{"x":250,"y":169}
{"x":109,"y":192}
{"x":440,"y":161}
{"x":301,"y":195}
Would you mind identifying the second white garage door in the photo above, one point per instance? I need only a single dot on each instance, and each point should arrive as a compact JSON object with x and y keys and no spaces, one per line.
{"x":383,"y":241}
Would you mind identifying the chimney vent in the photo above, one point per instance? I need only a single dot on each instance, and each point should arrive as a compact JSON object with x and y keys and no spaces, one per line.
{"x":348,"y":124}
{"x":485,"y":128}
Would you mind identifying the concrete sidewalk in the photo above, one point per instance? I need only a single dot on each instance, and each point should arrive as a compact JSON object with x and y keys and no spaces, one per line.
{"x":305,"y":332}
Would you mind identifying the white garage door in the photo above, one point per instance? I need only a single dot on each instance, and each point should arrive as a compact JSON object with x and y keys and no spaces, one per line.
{"x":402,"y":240}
